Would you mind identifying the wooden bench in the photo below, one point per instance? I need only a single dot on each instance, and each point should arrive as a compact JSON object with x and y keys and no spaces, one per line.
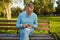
{"x":41,"y":23}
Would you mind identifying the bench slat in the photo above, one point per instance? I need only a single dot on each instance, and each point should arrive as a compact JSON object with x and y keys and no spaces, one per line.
{"x":42,"y":38}
{"x":30,"y":38}
{"x":16,"y":20}
{"x":15,"y":24}
{"x":7,"y":24}
{"x":43,"y":21}
{"x":42,"y":28}
{"x":43,"y":24}
{"x":8,"y":28}
{"x":34,"y":37}
{"x":8,"y":20}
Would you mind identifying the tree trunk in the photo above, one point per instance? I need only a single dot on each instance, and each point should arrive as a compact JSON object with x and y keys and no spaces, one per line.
{"x":8,"y":12}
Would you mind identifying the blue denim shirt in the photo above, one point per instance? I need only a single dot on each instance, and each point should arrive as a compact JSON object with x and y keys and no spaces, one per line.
{"x":23,"y":18}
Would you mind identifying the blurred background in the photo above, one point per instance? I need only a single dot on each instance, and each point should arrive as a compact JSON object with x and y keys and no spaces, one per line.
{"x":45,"y":9}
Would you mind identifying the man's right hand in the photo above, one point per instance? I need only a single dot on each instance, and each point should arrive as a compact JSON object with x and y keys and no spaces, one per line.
{"x":24,"y":25}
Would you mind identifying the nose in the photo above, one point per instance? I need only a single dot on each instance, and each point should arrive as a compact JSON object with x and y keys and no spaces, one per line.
{"x":29,"y":9}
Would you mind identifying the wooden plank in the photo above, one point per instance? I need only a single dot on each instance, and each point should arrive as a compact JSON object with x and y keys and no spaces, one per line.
{"x":10,"y":35}
{"x":42,"y":28}
{"x":43,"y":24}
{"x":42,"y":38}
{"x":8,"y":28}
{"x":7,"y":24}
{"x":17,"y":35}
{"x":16,"y":20}
{"x":39,"y":24}
{"x":37,"y":37}
{"x":8,"y":20}
{"x":43,"y":21}
{"x":41,"y":35}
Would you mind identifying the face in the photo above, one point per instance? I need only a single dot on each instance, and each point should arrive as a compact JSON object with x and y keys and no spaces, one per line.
{"x":29,"y":9}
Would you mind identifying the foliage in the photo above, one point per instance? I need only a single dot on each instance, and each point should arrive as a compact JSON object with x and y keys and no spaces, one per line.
{"x":26,"y":1}
{"x":4,"y":4}
{"x":15,"y":11}
{"x":43,"y":6}
{"x":58,"y":10}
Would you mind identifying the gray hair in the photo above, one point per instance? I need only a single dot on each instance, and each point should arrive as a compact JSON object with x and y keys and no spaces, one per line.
{"x":29,"y":4}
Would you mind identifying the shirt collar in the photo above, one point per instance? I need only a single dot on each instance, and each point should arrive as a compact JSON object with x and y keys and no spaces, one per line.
{"x":29,"y":15}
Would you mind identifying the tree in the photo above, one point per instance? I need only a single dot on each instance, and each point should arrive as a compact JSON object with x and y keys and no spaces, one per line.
{"x":58,"y":8}
{"x":43,"y":6}
{"x":5,"y":5}
{"x":15,"y":11}
{"x":1,"y":8}
{"x":27,"y":1}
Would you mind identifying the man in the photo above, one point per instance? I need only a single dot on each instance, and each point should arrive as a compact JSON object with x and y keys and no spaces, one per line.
{"x":27,"y":21}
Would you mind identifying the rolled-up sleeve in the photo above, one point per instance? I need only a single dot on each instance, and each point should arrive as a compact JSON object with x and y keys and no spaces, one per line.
{"x":18,"y":23}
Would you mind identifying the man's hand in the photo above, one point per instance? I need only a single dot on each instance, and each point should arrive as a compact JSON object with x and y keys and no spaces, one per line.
{"x":27,"y":26}
{"x":24,"y":25}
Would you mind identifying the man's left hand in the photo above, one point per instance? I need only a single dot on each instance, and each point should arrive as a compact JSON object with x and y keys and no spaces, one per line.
{"x":29,"y":26}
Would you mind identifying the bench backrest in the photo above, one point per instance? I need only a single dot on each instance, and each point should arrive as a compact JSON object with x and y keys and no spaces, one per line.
{"x":41,"y":23}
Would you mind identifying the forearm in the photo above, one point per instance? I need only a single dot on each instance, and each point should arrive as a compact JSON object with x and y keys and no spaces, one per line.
{"x":18,"y":25}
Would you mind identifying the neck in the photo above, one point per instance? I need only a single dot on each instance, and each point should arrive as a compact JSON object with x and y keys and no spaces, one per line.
{"x":29,"y":13}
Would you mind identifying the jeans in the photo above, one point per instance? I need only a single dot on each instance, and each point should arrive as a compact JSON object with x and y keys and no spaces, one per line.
{"x":25,"y":33}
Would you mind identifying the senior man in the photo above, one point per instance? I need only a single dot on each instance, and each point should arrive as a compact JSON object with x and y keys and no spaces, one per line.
{"x":27,"y":21}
